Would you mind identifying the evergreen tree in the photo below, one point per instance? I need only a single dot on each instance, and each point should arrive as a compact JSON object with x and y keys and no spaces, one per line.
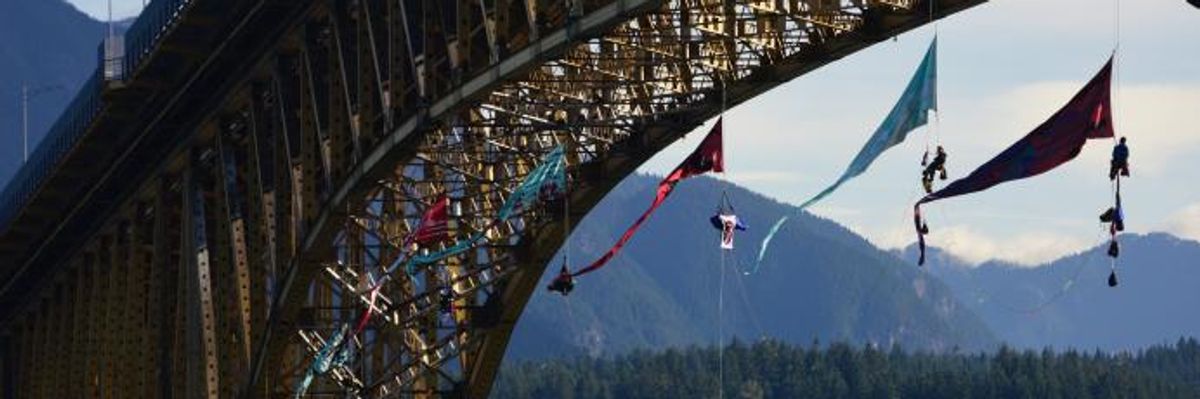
{"x":770,"y":369}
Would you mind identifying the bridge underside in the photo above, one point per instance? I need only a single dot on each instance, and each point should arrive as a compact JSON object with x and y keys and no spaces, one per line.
{"x":240,"y":249}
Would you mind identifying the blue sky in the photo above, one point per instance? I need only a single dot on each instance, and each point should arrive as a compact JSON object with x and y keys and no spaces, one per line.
{"x":99,"y":8}
{"x":1004,"y":67}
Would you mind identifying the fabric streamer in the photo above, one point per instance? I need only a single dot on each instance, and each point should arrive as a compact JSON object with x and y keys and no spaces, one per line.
{"x":708,"y":157}
{"x":909,"y":113}
{"x":547,"y":181}
{"x":434,"y":227}
{"x":1056,"y":141}
{"x":322,"y":362}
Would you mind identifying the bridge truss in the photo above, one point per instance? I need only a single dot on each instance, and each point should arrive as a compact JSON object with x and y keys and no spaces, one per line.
{"x":248,"y":244}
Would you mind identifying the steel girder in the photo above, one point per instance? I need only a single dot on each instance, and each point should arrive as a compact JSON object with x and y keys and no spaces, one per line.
{"x":226,"y":271}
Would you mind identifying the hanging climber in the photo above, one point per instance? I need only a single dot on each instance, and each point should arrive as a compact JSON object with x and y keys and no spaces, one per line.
{"x":1120,"y":161}
{"x":564,"y":283}
{"x":1055,"y":142}
{"x":446,"y":299}
{"x":1116,"y":223}
{"x":726,"y":223}
{"x":1114,"y":217}
{"x":938,"y":165}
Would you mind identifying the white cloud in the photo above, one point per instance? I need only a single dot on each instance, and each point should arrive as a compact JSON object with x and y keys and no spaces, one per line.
{"x":1028,"y":248}
{"x":896,"y":236}
{"x":971,"y":245}
{"x":762,"y":176}
{"x":1186,"y":222}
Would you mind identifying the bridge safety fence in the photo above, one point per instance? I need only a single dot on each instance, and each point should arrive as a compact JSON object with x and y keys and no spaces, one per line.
{"x":62,"y":136}
{"x":140,"y":40}
{"x":155,"y":21}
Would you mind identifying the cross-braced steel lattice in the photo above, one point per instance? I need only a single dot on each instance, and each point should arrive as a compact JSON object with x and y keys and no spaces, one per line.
{"x":321,"y":131}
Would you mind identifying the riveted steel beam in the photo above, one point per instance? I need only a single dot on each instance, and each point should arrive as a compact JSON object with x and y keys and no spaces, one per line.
{"x":291,"y":193}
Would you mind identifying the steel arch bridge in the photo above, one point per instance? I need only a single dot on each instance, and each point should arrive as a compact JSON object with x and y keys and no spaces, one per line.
{"x":201,"y":218}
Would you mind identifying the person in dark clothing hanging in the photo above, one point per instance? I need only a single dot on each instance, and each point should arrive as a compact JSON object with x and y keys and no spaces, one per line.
{"x":446,"y":299}
{"x":564,"y":283}
{"x":1120,"y":161}
{"x":938,"y":165}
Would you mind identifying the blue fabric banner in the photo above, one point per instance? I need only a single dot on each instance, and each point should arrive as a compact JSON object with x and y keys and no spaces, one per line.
{"x":546,"y":181}
{"x":909,"y":113}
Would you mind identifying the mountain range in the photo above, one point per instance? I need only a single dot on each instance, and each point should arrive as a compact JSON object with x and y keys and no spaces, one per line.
{"x":51,"y":47}
{"x":820,"y":282}
{"x":823,"y":282}
{"x":1067,"y":303}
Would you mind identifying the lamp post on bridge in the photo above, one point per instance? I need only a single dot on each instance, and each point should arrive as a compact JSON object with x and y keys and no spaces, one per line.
{"x":26,"y":95}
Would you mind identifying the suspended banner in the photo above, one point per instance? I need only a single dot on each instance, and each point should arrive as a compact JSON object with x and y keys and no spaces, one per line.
{"x":322,"y":362}
{"x":432,"y":229}
{"x":708,"y":157}
{"x":909,"y":113}
{"x":434,"y":226}
{"x":547,"y":181}
{"x":1056,"y":141}
{"x":727,"y":223}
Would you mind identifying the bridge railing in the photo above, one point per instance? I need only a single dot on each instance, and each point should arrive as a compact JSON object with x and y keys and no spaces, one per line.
{"x":118,"y":60}
{"x":155,"y":21}
{"x":54,"y":146}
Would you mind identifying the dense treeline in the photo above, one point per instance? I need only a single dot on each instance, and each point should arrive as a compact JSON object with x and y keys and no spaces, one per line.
{"x":771,"y":369}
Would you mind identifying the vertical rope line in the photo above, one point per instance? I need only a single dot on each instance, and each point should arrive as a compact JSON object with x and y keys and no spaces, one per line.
{"x":1116,"y":24}
{"x":1116,"y":95}
{"x":566,"y":214}
{"x":937,"y":112}
{"x":932,"y":19}
{"x":934,"y":134}
{"x":721,"y":251}
{"x":721,"y":329}
{"x":721,"y":284}
{"x":566,"y":248}
{"x":1116,"y":62}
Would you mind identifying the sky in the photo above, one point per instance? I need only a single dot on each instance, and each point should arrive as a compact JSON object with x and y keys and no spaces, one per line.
{"x":99,"y":8}
{"x":1004,"y":67}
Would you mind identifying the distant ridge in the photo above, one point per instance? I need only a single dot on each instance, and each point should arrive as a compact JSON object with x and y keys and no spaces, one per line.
{"x":1066,"y":303}
{"x":821,"y":282}
{"x":45,"y":43}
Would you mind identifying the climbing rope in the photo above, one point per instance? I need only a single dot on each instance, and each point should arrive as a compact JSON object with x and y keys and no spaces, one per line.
{"x":721,"y":286}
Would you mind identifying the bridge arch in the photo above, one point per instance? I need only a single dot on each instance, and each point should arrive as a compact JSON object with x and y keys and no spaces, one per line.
{"x":244,"y":245}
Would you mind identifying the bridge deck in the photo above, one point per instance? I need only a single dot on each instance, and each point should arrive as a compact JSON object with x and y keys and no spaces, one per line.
{"x":137,"y":124}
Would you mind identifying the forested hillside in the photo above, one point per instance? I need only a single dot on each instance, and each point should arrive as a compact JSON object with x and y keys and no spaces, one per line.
{"x":770,"y":369}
